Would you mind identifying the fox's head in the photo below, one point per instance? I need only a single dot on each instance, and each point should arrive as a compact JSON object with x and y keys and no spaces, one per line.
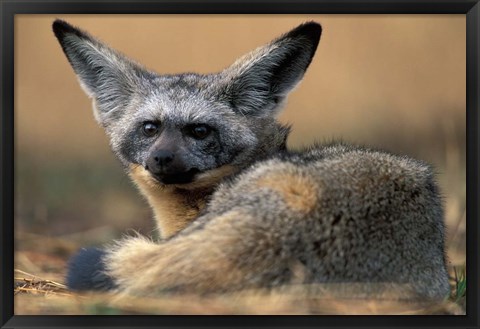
{"x":190,"y":129}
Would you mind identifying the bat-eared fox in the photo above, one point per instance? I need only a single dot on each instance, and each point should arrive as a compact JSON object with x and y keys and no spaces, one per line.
{"x":235,"y":208}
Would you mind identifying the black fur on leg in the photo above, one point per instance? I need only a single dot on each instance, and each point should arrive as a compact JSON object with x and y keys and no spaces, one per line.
{"x":86,"y":271}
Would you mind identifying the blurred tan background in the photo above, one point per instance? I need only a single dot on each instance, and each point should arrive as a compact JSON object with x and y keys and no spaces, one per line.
{"x":390,"y":81}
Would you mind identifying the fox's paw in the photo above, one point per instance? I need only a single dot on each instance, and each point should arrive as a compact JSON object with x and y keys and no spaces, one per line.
{"x":86,"y":271}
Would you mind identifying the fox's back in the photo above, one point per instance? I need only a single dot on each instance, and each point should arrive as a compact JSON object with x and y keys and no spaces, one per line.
{"x":348,"y":214}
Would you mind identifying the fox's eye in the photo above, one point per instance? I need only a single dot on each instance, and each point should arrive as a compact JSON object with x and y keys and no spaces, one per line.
{"x":200,"y":131}
{"x":149,"y":129}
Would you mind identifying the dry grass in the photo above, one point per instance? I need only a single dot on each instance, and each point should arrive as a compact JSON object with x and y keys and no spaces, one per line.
{"x":29,"y":283}
{"x":36,"y":295}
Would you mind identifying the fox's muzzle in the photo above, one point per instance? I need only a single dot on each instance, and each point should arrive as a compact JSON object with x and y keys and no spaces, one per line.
{"x":168,"y":168}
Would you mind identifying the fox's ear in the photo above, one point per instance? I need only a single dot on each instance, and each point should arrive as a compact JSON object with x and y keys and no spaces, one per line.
{"x":106,"y":75}
{"x":257,"y":83}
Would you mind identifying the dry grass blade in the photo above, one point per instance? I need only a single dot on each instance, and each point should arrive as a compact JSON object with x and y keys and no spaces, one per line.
{"x":29,"y":283}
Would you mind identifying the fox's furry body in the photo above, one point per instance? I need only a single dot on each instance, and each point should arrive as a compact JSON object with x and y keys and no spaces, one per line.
{"x":235,"y":208}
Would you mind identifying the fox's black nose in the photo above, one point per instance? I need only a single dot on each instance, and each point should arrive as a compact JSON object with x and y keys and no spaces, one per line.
{"x":168,"y":167}
{"x":162,"y":162}
{"x":163,"y":157}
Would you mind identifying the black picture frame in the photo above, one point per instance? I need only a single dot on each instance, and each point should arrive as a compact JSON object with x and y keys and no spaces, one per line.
{"x":9,"y":8}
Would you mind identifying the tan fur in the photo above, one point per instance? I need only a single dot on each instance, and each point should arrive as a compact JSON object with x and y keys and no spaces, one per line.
{"x":211,"y":177}
{"x":209,"y":268}
{"x":176,"y":208}
{"x":173,"y":210}
{"x":298,"y":192}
